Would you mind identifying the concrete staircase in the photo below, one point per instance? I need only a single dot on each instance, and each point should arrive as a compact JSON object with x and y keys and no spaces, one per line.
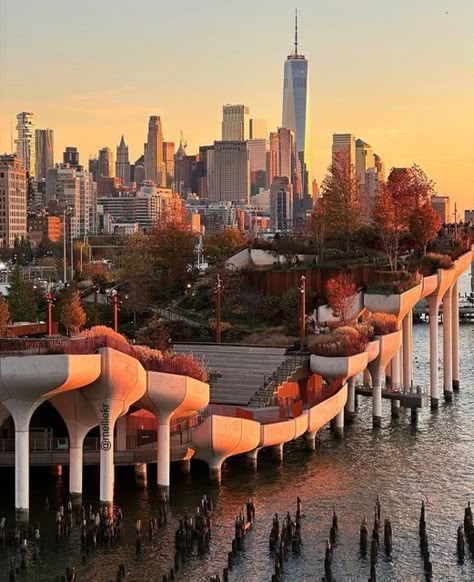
{"x":237,"y":372}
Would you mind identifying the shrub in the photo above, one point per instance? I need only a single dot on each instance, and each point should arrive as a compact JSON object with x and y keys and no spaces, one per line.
{"x":101,"y":331}
{"x":435,"y":261}
{"x":383,"y":323}
{"x":343,"y":342}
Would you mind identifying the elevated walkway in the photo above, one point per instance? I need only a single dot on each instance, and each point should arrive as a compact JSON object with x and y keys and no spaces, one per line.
{"x":236,"y":372}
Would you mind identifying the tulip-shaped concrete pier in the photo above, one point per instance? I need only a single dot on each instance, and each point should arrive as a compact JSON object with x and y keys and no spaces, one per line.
{"x":26,"y":382}
{"x":122,"y":382}
{"x":169,"y":394}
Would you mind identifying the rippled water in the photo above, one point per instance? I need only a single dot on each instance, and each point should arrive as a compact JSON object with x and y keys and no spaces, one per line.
{"x":401,"y":462}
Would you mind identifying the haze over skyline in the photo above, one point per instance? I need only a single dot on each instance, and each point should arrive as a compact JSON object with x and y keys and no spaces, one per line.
{"x":397,"y":75}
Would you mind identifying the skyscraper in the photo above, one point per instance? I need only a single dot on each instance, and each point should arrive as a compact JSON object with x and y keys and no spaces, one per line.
{"x":283,"y":158}
{"x":154,"y":151}
{"x":44,"y":144}
{"x":71,"y":157}
{"x":364,"y":160}
{"x":168,"y":162}
{"x":235,"y":123}
{"x":343,"y":149}
{"x":231,"y":173}
{"x":258,"y":129}
{"x":281,"y":204}
{"x":106,"y":162}
{"x":25,"y":142}
{"x":12,"y":199}
{"x":296,"y":109}
{"x":122,"y":165}
{"x":258,"y":149}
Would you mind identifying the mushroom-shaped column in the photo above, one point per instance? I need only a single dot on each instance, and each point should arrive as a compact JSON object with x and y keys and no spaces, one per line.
{"x":122,"y":382}
{"x":447,"y":346}
{"x":389,"y":345}
{"x":4,"y":414}
{"x":220,"y":437}
{"x":445,"y":279}
{"x":321,"y":414}
{"x":339,"y":368}
{"x":80,"y":418}
{"x":169,"y":394}
{"x":26,"y":382}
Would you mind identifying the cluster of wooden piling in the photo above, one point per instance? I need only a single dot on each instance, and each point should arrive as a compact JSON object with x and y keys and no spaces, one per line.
{"x":154,"y":524}
{"x":424,"y":549}
{"x":243,"y":522}
{"x":22,"y":540}
{"x":468,"y":533}
{"x":330,"y":544}
{"x":281,"y":539}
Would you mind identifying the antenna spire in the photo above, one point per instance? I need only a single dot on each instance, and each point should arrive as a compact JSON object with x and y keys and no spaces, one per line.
{"x":296,"y":32}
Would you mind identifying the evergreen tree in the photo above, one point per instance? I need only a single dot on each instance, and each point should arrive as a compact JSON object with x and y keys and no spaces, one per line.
{"x":21,"y":298}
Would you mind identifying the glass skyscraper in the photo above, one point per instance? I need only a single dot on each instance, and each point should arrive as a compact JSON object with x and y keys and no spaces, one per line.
{"x":296,"y":110}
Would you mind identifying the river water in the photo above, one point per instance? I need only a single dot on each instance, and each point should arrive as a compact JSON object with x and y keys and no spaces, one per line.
{"x":402,"y":463}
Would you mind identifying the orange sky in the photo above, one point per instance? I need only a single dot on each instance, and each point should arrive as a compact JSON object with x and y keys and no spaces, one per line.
{"x":398,"y":75}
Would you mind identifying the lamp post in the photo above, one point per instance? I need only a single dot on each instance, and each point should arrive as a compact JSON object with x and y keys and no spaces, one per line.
{"x":302,"y":310}
{"x":50,"y":301}
{"x":218,"y":291}
{"x":96,"y":291}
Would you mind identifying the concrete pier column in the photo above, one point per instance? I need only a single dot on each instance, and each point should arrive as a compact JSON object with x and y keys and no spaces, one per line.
{"x":395,"y":408}
{"x":395,"y":365}
{"x":447,"y":346}
{"x":407,"y":354}
{"x":277,"y":452}
{"x":339,"y":425}
{"x":215,"y":473}
{"x":350,"y":404}
{"x":140,"y":474}
{"x":433,"y":315}
{"x":310,"y":439}
{"x":22,"y":474}
{"x":376,"y":400}
{"x":252,"y":458}
{"x":185,"y":466}
{"x":75,"y":470}
{"x":455,"y":334}
{"x":163,"y":461}
{"x":107,"y":470}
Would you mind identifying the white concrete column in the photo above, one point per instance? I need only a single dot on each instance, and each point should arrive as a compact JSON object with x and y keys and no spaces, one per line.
{"x":376,"y":400}
{"x":407,"y":355}
{"x":252,"y":458}
{"x":277,"y":452}
{"x":411,"y":345}
{"x":75,"y":470}
{"x":396,"y":380}
{"x":215,"y":472}
{"x":455,"y":334}
{"x":395,"y":407}
{"x":140,"y":473}
{"x":22,"y":474}
{"x":433,"y":314}
{"x":310,"y":439}
{"x":163,"y":461}
{"x":107,"y":468}
{"x":447,"y":346}
{"x":350,"y":404}
{"x":339,"y":424}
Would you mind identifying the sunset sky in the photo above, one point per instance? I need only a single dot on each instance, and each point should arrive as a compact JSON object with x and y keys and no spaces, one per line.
{"x":399,"y":74}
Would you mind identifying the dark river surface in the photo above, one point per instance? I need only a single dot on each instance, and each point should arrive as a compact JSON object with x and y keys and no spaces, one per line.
{"x":401,"y":462}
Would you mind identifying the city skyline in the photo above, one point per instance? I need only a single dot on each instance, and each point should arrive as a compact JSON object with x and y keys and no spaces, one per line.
{"x":387,"y":102}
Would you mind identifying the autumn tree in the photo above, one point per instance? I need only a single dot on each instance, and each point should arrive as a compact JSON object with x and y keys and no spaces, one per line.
{"x":4,"y":315}
{"x":221,"y":246}
{"x":316,"y":228}
{"x":341,"y":295}
{"x":424,"y":225}
{"x":73,"y":316}
{"x":154,"y":335}
{"x":341,"y":201}
{"x":98,"y":273}
{"x":21,"y":298}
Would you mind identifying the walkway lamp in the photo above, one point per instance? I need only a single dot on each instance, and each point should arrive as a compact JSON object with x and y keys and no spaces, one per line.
{"x":302,"y":311}
{"x":50,"y":301}
{"x":217,"y":292}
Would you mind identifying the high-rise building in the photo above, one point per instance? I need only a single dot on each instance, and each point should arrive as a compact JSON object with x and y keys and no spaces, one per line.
{"x":71,"y":157}
{"x":106,"y":162}
{"x":235,"y":123}
{"x":281,"y":204}
{"x":231,"y":172}
{"x":296,"y":109}
{"x":283,"y":157}
{"x":343,"y":149}
{"x":93,"y":167}
{"x":258,"y":149}
{"x":168,"y":162}
{"x":13,"y":186}
{"x":44,"y":144}
{"x":139,"y":171}
{"x":364,"y":160}
{"x":441,"y":205}
{"x":258,"y":129}
{"x":25,"y":142}
{"x":154,"y":152}
{"x":122,"y":165}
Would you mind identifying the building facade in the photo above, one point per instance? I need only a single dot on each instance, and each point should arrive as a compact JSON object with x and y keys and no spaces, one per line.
{"x":13,"y":186}
{"x":168,"y":163}
{"x":71,"y":157}
{"x":441,"y":205}
{"x":281,"y":204}
{"x":344,"y":149}
{"x":44,"y":146}
{"x":231,"y":173}
{"x":122,"y":165}
{"x":106,"y":162}
{"x":235,"y":123}
{"x":25,"y":141}
{"x":154,"y":152}
{"x":258,"y":149}
{"x":283,"y":157}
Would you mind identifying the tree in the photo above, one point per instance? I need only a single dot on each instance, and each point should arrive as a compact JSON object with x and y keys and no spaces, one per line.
{"x":341,"y":295}
{"x":98,"y":273}
{"x":21,"y":298}
{"x":424,"y":225}
{"x":4,"y":315}
{"x":316,"y":228}
{"x":73,"y":316}
{"x":222,"y":245}
{"x":154,"y":335}
{"x":341,"y":201}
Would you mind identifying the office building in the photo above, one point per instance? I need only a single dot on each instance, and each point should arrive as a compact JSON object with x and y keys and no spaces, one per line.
{"x":93,"y":168}
{"x":343,"y":149}
{"x":281,"y":204}
{"x":364,"y":160}
{"x":168,"y":163}
{"x":441,"y":205}
{"x":13,"y":186}
{"x":235,"y":123}
{"x":231,"y":173}
{"x":154,"y":170}
{"x":71,"y":157}
{"x":44,"y":145}
{"x":258,"y":149}
{"x":258,"y":129}
{"x":296,"y":115}
{"x":283,"y":157}
{"x":25,"y":141}
{"x":106,"y":162}
{"x":122,"y":165}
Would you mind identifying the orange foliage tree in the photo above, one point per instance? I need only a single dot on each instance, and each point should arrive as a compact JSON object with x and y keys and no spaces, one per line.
{"x":424,"y":225}
{"x":341,"y":295}
{"x":73,"y":316}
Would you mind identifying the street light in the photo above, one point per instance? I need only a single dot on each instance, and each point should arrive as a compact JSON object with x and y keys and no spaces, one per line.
{"x":302,"y":311}
{"x":115,"y":307}
{"x":217,"y":292}
{"x":50,"y":301}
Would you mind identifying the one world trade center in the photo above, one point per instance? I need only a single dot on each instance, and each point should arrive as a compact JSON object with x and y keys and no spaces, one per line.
{"x":296,"y":110}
